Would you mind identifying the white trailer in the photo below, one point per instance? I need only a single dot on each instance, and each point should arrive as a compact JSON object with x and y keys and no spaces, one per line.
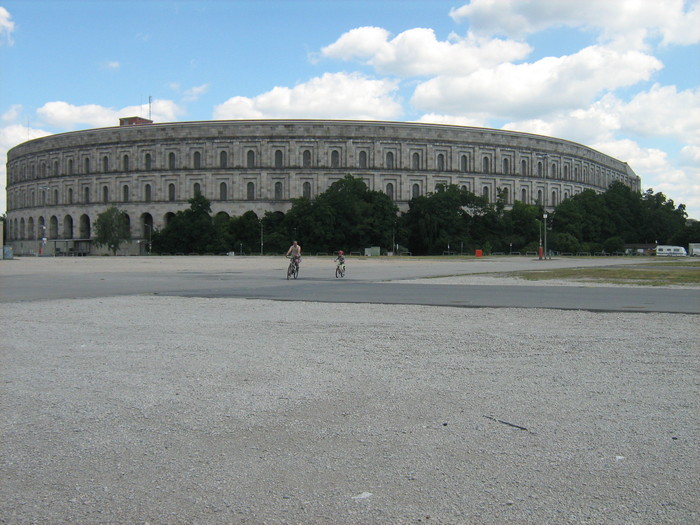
{"x":670,"y":251}
{"x":694,"y":249}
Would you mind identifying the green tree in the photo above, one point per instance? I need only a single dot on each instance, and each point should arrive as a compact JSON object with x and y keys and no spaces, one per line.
{"x":190,"y":231}
{"x":112,"y":228}
{"x":347,"y":216}
{"x":450,"y":217}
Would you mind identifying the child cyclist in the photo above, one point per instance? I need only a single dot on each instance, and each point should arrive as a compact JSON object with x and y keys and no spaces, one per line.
{"x":340,"y":260}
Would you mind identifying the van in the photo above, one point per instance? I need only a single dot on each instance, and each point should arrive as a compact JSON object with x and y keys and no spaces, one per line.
{"x":670,"y":251}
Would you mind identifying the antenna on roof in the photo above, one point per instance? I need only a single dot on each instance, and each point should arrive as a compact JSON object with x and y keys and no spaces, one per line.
{"x":149,"y":107}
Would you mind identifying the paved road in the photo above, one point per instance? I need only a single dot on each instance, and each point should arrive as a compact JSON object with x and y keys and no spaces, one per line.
{"x":367,"y":282}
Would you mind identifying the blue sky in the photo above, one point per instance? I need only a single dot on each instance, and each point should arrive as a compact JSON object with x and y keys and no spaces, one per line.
{"x":621,"y":76}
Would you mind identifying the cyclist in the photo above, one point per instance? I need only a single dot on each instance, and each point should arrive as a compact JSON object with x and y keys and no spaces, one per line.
{"x":340,"y":259}
{"x":295,"y":251}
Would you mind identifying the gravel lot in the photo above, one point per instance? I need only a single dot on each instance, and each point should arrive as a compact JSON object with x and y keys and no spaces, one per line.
{"x":188,"y":410}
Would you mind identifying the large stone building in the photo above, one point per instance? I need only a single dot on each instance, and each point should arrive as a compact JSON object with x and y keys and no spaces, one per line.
{"x":58,"y":185}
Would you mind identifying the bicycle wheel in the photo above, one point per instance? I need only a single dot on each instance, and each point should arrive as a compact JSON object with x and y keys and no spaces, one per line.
{"x":296,"y":271}
{"x":290,"y":271}
{"x":337,"y":272}
{"x":342,"y":272}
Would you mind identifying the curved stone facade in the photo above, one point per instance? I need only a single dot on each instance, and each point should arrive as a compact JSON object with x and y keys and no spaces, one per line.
{"x":58,"y":185}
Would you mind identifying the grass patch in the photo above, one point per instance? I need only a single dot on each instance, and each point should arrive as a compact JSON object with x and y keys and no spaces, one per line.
{"x":649,"y":274}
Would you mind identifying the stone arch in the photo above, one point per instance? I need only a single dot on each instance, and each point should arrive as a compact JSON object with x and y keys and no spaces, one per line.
{"x":84,"y":228}
{"x":68,"y":227}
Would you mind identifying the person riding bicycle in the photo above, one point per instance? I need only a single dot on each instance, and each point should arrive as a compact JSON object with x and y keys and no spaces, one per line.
{"x":340,"y":259}
{"x":295,"y":252}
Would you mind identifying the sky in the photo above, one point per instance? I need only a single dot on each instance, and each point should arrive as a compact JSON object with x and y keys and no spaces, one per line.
{"x":620,"y":76}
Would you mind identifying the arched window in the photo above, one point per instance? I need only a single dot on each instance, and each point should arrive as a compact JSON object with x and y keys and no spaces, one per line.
{"x":171,"y":192}
{"x":278,"y":191}
{"x":523,"y":167}
{"x":223,"y":191}
{"x":250,"y":156}
{"x":67,"y":227}
{"x":197,"y":160}
{"x":196,"y":189}
{"x":485,"y":164}
{"x":306,"y":189}
{"x":306,"y":158}
{"x":576,"y":174}
{"x":223,"y":159}
{"x":441,"y":162}
{"x":87,"y":166}
{"x":86,"y":195}
{"x":335,"y":159}
{"x":539,"y":197}
{"x":250,"y":191}
{"x":523,"y":195}
{"x":363,"y":160}
{"x":125,"y":163}
{"x":390,"y":191}
{"x":105,"y":164}
{"x":485,"y":192}
{"x":463,"y":164}
{"x":149,"y":165}
{"x":390,"y":160}
{"x":279,"y":159}
{"x":55,"y":168}
{"x":554,"y":199}
{"x":84,"y":227}
{"x":415,"y":161}
{"x":539,"y":169}
{"x":506,"y":166}
{"x":70,"y":195}
{"x":553,"y":171}
{"x":147,"y":193}
{"x":415,"y":191}
{"x":505,"y":195}
{"x":70,"y":166}
{"x":171,"y":160}
{"x":55,"y":197}
{"x":566,"y":172}
{"x":105,"y":194}
{"x":125,"y":193}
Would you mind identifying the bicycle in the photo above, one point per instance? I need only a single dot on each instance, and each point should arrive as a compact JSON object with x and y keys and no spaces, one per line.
{"x":340,"y":270}
{"x":292,"y":269}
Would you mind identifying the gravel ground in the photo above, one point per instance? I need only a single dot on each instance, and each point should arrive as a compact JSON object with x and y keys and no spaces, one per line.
{"x":189,"y":410}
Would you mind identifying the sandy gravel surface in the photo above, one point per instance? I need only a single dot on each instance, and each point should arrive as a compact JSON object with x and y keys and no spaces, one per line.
{"x":175,"y":410}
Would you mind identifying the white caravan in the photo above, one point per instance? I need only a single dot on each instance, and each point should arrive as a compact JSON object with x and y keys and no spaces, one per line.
{"x":670,"y":251}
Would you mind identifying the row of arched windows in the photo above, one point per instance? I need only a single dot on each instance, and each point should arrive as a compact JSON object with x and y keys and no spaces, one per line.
{"x":596,"y":177}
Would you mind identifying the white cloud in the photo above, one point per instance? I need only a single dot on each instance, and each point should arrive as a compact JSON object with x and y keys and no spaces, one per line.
{"x":627,"y":23}
{"x":113,"y":65}
{"x":194,"y":93}
{"x":663,"y":111}
{"x":432,"y":118}
{"x":7,"y":26}
{"x":333,"y":95}
{"x":68,"y":116}
{"x":547,"y":85}
{"x":418,"y":52}
{"x":12,"y":114}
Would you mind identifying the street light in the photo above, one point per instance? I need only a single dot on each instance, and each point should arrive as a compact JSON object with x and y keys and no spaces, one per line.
{"x":261,"y":237}
{"x":44,"y":194}
{"x":544,"y":216}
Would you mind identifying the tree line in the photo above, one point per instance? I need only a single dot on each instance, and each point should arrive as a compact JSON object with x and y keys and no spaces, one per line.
{"x":350,"y":217}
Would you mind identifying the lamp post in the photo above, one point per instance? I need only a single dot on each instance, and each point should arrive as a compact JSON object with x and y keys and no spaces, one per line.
{"x":544,"y":216}
{"x":261,"y":237}
{"x":44,"y":194}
